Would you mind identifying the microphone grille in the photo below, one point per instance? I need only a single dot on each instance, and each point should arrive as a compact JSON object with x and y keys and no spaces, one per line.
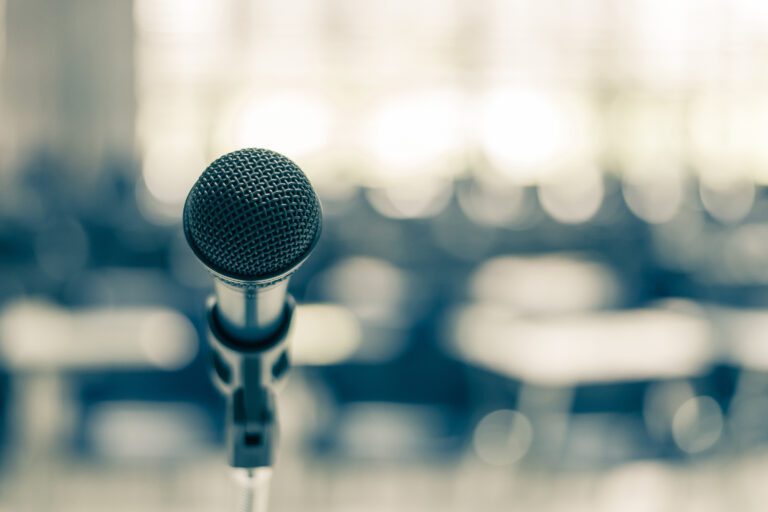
{"x":252,"y":215}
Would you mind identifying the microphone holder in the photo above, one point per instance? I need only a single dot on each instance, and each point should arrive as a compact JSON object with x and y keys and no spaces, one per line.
{"x":248,"y":373}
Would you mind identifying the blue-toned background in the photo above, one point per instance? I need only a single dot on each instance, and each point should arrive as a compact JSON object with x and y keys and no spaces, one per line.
{"x":542,"y":282}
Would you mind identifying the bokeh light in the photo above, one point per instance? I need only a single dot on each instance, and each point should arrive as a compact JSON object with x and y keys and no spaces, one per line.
{"x":527,"y":133}
{"x":502,"y":437}
{"x":292,"y":123}
{"x":417,"y":136}
{"x":698,"y":424}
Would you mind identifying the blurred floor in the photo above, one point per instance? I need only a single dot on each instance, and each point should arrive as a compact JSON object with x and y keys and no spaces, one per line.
{"x":304,"y":484}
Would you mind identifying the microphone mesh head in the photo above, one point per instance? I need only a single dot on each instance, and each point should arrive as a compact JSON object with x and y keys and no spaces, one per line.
{"x":252,"y":215}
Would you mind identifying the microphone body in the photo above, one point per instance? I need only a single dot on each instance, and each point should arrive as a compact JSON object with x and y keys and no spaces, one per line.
{"x":252,"y":218}
{"x":250,"y":312}
{"x":248,"y":374}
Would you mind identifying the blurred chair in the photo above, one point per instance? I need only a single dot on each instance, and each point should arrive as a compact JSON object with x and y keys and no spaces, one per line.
{"x":557,"y":358}
{"x":43,"y":344}
{"x":742,"y":335}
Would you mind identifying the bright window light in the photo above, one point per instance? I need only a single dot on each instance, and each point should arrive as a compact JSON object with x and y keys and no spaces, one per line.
{"x":293,"y":123}
{"x":526,"y":134}
{"x":418,"y":134}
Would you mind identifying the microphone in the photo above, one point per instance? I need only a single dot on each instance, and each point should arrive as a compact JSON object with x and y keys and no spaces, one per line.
{"x":252,"y":218}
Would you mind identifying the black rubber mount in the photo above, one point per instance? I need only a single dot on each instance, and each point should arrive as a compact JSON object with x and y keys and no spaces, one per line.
{"x":248,"y":375}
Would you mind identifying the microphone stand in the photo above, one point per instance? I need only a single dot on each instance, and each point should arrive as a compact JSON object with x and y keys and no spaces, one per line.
{"x":247,"y":373}
{"x":254,"y":483}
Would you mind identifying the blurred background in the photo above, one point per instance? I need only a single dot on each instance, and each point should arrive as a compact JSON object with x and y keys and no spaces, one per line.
{"x":542,"y":283}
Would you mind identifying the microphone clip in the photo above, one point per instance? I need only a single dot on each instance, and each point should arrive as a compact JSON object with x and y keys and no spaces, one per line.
{"x":248,"y":373}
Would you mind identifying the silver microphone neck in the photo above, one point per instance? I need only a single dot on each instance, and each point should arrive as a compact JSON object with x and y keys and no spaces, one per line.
{"x":250,"y":313}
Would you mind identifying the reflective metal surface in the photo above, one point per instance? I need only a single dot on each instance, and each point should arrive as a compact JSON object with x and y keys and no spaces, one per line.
{"x":250,"y":313}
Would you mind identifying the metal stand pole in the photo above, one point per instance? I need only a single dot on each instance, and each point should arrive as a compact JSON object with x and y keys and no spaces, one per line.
{"x":248,"y":374}
{"x":254,"y":485}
